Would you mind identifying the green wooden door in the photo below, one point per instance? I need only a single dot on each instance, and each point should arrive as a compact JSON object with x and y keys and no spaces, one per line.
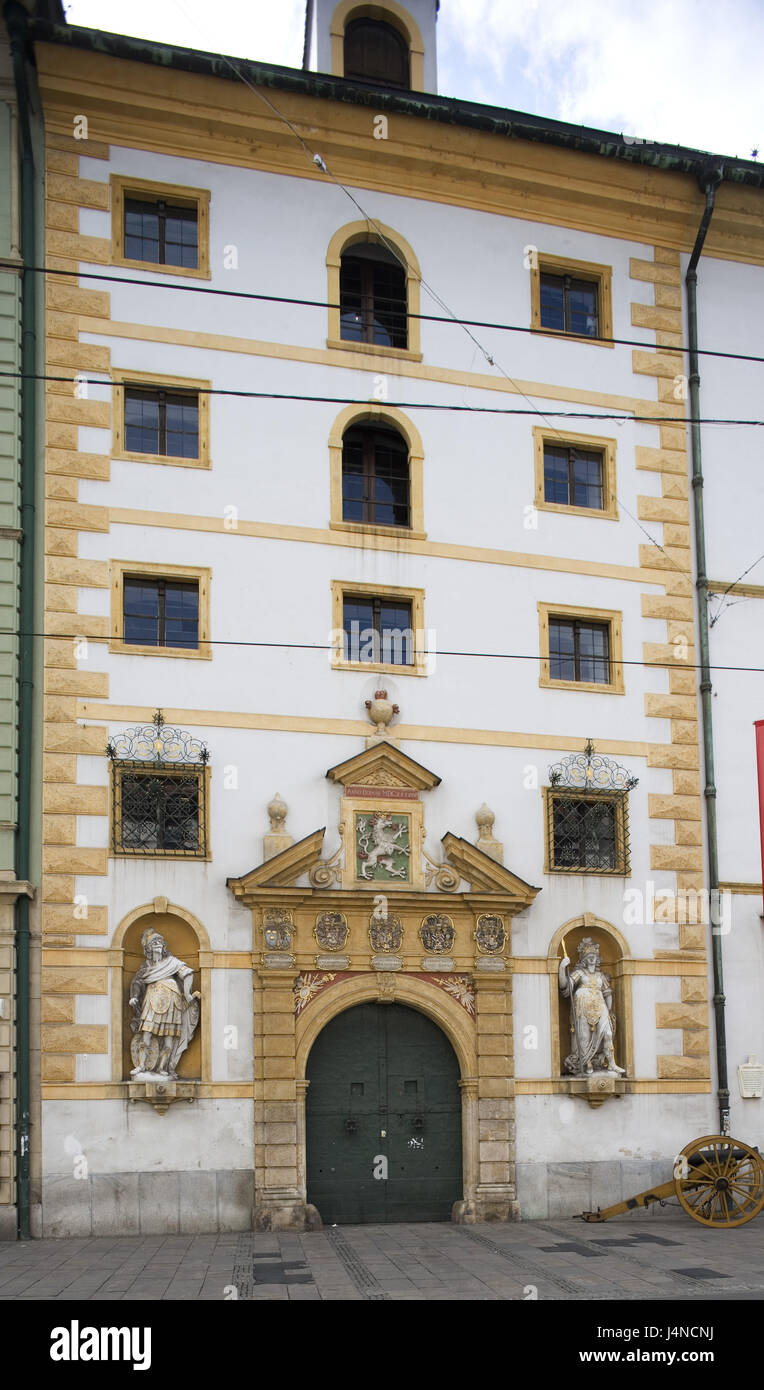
{"x":383,"y":1108}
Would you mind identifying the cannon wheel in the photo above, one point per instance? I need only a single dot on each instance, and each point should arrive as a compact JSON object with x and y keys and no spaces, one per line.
{"x":719,"y":1181}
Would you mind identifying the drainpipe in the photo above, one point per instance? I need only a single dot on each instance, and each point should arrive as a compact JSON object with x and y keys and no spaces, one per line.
{"x":709,"y":180}
{"x":16,"y":20}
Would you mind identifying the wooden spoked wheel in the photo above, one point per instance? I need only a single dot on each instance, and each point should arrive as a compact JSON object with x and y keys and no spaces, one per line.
{"x":719,"y":1181}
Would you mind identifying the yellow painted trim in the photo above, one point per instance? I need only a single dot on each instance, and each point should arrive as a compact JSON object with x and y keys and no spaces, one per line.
{"x":380,"y":234}
{"x":178,"y":193}
{"x":353,"y":728}
{"x":390,"y":13}
{"x":543,"y":435}
{"x":129,"y":104}
{"x":716,"y":586}
{"x":370,"y":540}
{"x":150,"y":380}
{"x":342,"y":588}
{"x":600,"y":615}
{"x":754,"y":889}
{"x":119,"y":568}
{"x":602,"y":275}
{"x":541,"y":1086}
{"x":375,"y":363}
{"x":117,"y":1090}
{"x":387,"y":415}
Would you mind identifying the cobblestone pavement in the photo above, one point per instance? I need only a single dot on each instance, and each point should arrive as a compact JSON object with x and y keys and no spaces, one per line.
{"x":632,"y":1257}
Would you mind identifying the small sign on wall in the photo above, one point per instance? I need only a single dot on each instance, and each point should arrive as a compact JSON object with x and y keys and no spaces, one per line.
{"x":750,"y":1077}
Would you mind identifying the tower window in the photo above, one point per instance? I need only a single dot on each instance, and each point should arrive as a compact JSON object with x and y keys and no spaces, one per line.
{"x":376,"y":52}
{"x":373,"y":296}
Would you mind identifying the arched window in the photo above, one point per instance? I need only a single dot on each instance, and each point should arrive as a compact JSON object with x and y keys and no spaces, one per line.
{"x":373,"y":296}
{"x":376,"y":52}
{"x":375,"y":476}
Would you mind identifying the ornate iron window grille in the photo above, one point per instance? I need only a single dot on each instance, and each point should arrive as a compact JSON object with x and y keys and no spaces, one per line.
{"x":159,"y":791}
{"x":588,"y":814}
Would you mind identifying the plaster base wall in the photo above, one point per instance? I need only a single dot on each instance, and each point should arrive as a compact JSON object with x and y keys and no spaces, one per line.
{"x":131,"y":1204}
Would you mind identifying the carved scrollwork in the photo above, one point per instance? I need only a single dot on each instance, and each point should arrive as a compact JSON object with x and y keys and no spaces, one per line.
{"x":445,"y":878}
{"x":327,"y":871}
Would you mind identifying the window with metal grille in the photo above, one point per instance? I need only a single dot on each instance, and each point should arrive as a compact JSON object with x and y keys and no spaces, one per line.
{"x":162,"y":233}
{"x":160,"y":612}
{"x":159,"y":810}
{"x":376,"y":52}
{"x":375,"y":477}
{"x":569,"y":305}
{"x":159,"y":422}
{"x":377,"y":629}
{"x":573,"y":476}
{"x":579,"y":651}
{"x":373,"y":300}
{"x":588,"y":833}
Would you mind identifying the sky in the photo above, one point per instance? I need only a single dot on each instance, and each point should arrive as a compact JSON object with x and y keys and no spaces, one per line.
{"x":685,"y":72}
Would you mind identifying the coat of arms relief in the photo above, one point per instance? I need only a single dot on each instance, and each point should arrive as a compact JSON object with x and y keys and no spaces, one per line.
{"x":382,"y":846}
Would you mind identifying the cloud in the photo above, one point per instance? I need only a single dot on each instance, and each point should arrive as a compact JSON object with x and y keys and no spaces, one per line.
{"x":684,"y":71}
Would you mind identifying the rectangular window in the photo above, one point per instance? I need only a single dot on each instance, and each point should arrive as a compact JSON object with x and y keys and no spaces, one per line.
{"x":160,"y":612}
{"x":587,"y":833}
{"x":575,"y":473}
{"x":378,"y":628}
{"x":159,"y":810}
{"x":161,"y":419}
{"x":569,"y":305}
{"x":573,"y":477}
{"x":572,"y":298}
{"x":161,"y":233}
{"x":579,"y":651}
{"x":162,"y":422}
{"x":160,"y":225}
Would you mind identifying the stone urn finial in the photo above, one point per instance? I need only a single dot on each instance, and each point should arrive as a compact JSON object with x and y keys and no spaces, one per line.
{"x":277,"y":838}
{"x":493,"y":848}
{"x":381,"y":712}
{"x":277,"y":813}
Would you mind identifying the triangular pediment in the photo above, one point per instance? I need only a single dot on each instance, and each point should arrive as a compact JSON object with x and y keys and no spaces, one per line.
{"x":483,"y":873}
{"x":383,"y":765}
{"x":284,"y":868}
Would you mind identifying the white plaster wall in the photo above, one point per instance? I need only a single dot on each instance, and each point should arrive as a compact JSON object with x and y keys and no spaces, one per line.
{"x":560,"y":1129}
{"x":118,"y":1137}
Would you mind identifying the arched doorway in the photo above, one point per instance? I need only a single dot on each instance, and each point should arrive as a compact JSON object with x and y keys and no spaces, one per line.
{"x":383,"y":1118}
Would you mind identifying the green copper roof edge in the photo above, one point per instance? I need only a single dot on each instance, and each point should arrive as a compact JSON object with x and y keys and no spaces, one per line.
{"x":494,"y":119}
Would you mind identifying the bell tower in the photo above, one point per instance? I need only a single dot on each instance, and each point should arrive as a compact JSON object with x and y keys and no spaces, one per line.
{"x":390,"y":45}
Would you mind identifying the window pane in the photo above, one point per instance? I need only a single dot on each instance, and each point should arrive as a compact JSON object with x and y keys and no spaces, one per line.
{"x":141,"y":422}
{"x":141,"y":230}
{"x":141,"y":612}
{"x":361,"y":641}
{"x":587,"y":480}
{"x":351,"y":316}
{"x":556,"y":475}
{"x":584,"y":834}
{"x":562,"y":663}
{"x":180,"y":813}
{"x":582,"y":306}
{"x":397,"y":637}
{"x":181,"y":615}
{"x":593,"y":653}
{"x":139,"y":812}
{"x":552,"y":290}
{"x":182,"y":426}
{"x":390,"y":327}
{"x":181,"y":237}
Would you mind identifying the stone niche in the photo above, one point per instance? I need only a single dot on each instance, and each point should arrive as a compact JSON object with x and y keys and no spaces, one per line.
{"x":183,"y":942}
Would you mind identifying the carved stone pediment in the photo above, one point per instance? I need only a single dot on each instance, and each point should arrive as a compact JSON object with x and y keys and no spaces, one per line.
{"x":484,"y":874}
{"x":383,"y":766}
{"x":283,"y":869}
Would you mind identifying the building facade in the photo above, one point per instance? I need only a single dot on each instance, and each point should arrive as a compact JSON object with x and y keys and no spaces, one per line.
{"x":370,"y":645}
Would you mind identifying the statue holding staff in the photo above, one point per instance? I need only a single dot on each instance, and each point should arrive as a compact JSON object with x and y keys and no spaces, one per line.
{"x":167,"y":1010}
{"x":592,"y":1021}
